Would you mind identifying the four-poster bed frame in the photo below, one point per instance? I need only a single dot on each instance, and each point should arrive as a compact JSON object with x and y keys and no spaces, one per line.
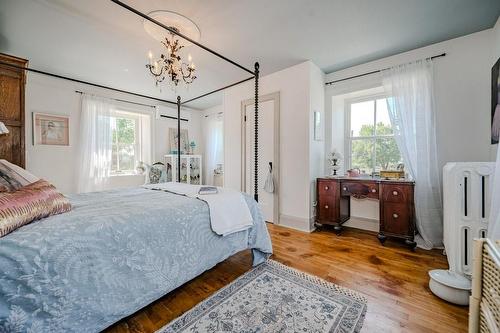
{"x":179,"y":103}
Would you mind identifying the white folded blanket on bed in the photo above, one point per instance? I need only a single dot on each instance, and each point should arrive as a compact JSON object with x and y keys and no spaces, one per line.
{"x":229,"y":212}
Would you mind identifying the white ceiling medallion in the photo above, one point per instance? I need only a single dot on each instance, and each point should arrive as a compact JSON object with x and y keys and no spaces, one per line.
{"x":171,"y":19}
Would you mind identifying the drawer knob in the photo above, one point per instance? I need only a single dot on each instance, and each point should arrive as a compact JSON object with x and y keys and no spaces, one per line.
{"x":395,"y":215}
{"x":326,"y":206}
{"x":326,"y":188}
{"x":344,"y":188}
{"x":395,"y":193}
{"x":374,"y":190}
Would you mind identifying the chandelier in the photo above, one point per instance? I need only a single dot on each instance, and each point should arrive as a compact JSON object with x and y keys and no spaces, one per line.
{"x":170,"y":64}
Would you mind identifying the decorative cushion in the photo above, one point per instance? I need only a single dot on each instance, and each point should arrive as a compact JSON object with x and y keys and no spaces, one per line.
{"x":30,"y":203}
{"x":13,"y":177}
{"x":157,"y":174}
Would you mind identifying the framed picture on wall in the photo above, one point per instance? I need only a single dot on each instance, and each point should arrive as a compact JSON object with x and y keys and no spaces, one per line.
{"x":318,"y":135}
{"x":50,"y":129}
{"x":173,"y":137}
{"x":495,"y":102}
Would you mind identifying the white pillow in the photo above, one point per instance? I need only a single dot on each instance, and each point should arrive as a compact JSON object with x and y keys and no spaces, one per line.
{"x":29,"y":177}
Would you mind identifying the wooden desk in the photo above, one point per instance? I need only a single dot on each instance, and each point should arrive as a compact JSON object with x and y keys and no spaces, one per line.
{"x":396,"y":212}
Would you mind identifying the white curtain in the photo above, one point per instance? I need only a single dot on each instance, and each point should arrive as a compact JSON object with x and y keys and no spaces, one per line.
{"x":411,"y":109}
{"x":95,"y":143}
{"x":214,"y":145}
{"x":494,"y":224}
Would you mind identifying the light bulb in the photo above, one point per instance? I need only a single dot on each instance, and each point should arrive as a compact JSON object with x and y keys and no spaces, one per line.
{"x":150,"y":56}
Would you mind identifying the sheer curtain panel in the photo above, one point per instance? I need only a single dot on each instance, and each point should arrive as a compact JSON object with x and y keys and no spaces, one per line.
{"x":411,"y":109}
{"x":494,"y":225}
{"x":95,"y":143}
{"x":214,"y":145}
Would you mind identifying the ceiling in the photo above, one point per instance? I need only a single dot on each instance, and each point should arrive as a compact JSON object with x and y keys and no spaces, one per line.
{"x":98,"y":41}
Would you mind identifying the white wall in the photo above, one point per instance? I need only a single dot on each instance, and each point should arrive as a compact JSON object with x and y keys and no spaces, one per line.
{"x":57,"y":164}
{"x":163,"y":125}
{"x":316,"y":148}
{"x":294,"y":86}
{"x":462,"y":94}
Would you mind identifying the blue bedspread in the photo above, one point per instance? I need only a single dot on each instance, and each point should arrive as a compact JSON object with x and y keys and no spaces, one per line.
{"x":113,"y":254}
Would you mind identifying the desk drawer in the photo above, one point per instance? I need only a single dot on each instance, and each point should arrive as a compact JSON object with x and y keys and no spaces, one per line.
{"x":396,"y":219}
{"x":360,"y":189}
{"x":326,"y":208}
{"x":396,"y":193}
{"x":326,"y":188}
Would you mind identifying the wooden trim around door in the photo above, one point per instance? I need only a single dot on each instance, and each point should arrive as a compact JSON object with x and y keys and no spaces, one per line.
{"x":276,"y":165}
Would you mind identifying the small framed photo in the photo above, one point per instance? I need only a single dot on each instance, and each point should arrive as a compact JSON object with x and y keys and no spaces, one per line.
{"x":50,"y":129}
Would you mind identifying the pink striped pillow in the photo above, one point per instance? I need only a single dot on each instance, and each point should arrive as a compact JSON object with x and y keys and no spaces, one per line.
{"x":30,"y":203}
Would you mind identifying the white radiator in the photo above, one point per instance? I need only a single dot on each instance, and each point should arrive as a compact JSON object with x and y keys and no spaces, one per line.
{"x":466,"y":207}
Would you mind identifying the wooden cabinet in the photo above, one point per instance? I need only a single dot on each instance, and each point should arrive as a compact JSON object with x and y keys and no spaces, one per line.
{"x":395,"y":197}
{"x":12,"y":81}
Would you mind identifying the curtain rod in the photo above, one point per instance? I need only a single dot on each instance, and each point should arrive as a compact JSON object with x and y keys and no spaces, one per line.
{"x":373,"y":72}
{"x":146,"y":17}
{"x":85,"y":82}
{"x":214,"y":114}
{"x":119,"y":100}
{"x":135,"y":103}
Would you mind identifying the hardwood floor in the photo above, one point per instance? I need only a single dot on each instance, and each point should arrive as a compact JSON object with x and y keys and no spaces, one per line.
{"x":394,"y":280}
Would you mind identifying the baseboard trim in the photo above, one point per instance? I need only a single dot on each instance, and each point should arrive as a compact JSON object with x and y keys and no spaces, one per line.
{"x":297,"y":223}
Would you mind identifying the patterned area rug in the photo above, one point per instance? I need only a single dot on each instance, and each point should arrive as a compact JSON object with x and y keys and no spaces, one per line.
{"x":275,"y":298}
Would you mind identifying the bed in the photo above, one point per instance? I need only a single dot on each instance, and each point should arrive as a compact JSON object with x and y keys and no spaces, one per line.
{"x":112,"y":254}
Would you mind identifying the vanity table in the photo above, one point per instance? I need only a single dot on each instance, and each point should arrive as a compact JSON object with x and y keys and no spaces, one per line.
{"x":396,"y":214}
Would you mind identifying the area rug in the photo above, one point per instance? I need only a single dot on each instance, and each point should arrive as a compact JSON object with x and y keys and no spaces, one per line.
{"x":275,"y":298}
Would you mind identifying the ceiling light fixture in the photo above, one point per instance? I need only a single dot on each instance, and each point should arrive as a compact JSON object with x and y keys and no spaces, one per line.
{"x":170,"y":65}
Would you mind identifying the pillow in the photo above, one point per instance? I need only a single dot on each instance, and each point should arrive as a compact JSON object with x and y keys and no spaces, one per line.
{"x":157,"y":173}
{"x":30,"y":203}
{"x":13,"y":177}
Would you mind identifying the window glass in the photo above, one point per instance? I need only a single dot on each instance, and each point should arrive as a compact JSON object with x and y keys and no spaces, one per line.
{"x":372,"y":146}
{"x":125,"y":152}
{"x":362,"y":117}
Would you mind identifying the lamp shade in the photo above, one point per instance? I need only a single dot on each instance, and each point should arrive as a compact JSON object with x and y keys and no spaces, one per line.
{"x":3,"y":128}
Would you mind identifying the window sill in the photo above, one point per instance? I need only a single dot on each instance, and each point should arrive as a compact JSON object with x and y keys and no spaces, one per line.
{"x":127,"y":175}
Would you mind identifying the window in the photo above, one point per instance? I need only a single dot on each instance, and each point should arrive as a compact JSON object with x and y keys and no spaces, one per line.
{"x":370,"y":139}
{"x":126,"y":144}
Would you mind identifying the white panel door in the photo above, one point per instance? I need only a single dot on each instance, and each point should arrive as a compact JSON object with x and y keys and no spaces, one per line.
{"x":266,"y":153}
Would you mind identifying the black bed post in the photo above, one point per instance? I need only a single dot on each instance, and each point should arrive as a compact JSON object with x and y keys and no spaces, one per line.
{"x":178,"y":139}
{"x":256,"y":148}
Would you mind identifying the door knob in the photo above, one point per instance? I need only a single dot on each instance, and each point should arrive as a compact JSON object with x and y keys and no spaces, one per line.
{"x":326,"y":206}
{"x":395,"y":215}
{"x":326,"y":188}
{"x":394,"y":192}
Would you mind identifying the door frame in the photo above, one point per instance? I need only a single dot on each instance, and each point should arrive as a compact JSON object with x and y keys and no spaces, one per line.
{"x":276,"y":164}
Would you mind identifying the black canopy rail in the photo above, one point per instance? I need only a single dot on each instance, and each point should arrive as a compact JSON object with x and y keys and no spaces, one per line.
{"x":85,"y":82}
{"x":217,"y":90}
{"x":173,"y":31}
{"x":255,"y":76}
{"x":374,"y":72}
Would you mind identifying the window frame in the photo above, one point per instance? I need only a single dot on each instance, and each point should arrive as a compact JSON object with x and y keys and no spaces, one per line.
{"x":126,"y":114}
{"x":348,"y":139}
